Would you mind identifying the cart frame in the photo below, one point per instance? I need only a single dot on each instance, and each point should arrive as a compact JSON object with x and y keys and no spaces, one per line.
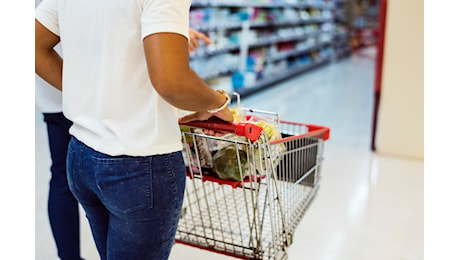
{"x":254,"y":218}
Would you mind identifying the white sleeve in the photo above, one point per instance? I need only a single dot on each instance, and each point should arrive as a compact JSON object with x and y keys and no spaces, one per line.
{"x":46,"y":13}
{"x":165,"y":16}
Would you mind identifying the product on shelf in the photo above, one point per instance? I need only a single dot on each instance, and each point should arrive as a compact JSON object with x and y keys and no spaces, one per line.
{"x":283,"y":37}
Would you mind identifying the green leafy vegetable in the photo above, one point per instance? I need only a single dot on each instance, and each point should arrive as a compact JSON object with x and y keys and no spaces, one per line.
{"x":226,"y":166}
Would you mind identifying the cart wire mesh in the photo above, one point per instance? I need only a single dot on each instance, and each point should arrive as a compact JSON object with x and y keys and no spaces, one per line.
{"x":254,"y":218}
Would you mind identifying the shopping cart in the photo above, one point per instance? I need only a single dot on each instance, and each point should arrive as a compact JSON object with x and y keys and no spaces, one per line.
{"x":253,"y":217}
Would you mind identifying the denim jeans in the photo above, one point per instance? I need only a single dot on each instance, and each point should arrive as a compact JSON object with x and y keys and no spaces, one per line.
{"x":133,"y":204}
{"x":62,"y":205}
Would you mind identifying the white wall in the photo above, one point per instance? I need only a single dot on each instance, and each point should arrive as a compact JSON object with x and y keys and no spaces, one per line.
{"x":400,"y":121}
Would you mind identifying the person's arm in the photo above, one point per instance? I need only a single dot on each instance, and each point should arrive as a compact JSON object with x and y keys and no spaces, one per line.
{"x":48,"y":63}
{"x":170,"y":73}
{"x":195,"y":38}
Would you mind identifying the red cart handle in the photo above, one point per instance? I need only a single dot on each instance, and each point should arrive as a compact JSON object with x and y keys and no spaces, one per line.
{"x":248,"y":130}
{"x":322,"y":130}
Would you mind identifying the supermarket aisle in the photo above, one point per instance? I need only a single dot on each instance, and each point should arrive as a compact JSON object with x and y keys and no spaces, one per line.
{"x":368,"y":206}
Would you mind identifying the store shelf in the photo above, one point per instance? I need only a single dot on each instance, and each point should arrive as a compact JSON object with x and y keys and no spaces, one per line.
{"x":282,"y":39}
{"x":290,"y":22}
{"x":258,"y":38}
{"x":211,"y":50}
{"x":342,"y":36}
{"x":205,"y":52}
{"x":287,"y":54}
{"x":244,"y":92}
{"x":363,"y":23}
{"x":258,"y":24}
{"x":219,"y":73}
{"x":286,"y":4}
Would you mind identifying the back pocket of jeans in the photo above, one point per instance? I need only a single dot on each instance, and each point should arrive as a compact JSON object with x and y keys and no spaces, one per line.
{"x":124,"y":183}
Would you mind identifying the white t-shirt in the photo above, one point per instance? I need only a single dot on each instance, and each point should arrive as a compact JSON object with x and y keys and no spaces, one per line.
{"x":47,"y":98}
{"x":107,"y":93}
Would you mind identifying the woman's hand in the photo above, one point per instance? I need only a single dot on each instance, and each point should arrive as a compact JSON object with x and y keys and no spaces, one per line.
{"x":225,"y":114}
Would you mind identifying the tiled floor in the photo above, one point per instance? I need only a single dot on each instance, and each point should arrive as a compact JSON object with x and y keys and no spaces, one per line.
{"x":369,"y":206}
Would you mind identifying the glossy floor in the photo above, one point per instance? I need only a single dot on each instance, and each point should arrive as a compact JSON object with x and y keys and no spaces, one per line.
{"x":369,"y":206}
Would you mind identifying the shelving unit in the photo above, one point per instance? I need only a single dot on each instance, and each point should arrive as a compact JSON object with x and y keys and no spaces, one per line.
{"x":265,"y":41}
{"x":364,"y":23}
{"x":342,"y":26}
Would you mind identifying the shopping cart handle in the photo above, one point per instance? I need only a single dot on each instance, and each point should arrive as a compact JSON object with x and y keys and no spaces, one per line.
{"x":248,"y":130}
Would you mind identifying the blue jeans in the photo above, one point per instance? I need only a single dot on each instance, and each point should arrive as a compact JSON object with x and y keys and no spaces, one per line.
{"x":133,"y":204}
{"x":62,"y":205}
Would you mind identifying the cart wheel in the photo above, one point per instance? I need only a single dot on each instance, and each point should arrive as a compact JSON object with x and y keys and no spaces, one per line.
{"x":281,"y":255}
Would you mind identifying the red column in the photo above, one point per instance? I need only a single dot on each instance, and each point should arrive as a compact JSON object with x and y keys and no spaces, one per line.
{"x":379,"y":67}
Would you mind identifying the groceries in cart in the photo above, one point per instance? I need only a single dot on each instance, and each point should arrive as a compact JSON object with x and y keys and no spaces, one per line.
{"x":227,"y":167}
{"x":228,"y":156}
